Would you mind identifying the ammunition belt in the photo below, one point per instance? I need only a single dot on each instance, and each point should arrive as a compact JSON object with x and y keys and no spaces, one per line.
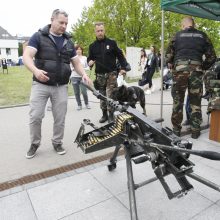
{"x":91,"y":142}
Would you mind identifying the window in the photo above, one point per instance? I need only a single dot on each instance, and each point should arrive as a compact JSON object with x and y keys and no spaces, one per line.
{"x":8,"y":51}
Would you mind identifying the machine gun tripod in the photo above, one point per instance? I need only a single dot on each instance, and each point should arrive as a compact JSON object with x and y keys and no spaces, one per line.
{"x":145,"y":140}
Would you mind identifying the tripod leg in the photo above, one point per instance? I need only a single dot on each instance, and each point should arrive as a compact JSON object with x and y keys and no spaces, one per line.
{"x":115,"y":154}
{"x":204,"y":181}
{"x":131,"y":187}
{"x":113,"y":159}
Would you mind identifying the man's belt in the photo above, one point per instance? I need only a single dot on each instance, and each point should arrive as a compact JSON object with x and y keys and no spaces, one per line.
{"x":187,"y":62}
{"x":100,"y":74}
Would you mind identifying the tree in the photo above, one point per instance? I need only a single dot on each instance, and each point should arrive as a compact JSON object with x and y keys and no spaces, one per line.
{"x":134,"y":23}
{"x":127,"y":21}
{"x":20,"y":49}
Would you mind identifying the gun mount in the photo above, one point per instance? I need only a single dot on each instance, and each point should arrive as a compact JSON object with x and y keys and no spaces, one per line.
{"x":144,"y":140}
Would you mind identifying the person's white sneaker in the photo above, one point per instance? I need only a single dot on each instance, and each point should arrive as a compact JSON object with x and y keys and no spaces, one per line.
{"x":79,"y":107}
{"x":152,"y":88}
{"x":146,"y":87}
{"x":148,"y":92}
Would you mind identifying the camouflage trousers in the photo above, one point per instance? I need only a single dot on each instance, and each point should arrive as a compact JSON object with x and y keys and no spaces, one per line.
{"x":191,"y":78}
{"x":214,"y":100}
{"x":106,"y":83}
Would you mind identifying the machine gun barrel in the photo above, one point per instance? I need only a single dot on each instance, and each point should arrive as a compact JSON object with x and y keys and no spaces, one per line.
{"x":206,"y":154}
{"x":95,"y":92}
{"x":114,"y":104}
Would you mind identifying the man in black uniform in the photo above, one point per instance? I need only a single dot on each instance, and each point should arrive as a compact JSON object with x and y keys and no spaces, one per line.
{"x":184,"y":56}
{"x":103,"y":52}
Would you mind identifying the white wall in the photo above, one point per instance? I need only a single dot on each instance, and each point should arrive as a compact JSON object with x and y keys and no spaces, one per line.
{"x":13,"y":45}
{"x":133,"y":57}
{"x":8,"y":43}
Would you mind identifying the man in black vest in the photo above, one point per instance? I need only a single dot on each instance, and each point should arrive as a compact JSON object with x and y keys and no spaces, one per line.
{"x":184,"y":56}
{"x":104,"y":52}
{"x":52,"y":50}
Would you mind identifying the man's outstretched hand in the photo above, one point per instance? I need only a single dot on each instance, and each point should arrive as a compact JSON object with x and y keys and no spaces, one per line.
{"x":86,"y":80}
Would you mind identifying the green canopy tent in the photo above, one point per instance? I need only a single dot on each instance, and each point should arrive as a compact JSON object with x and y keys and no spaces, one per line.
{"x":209,"y":9}
{"x":199,"y":8}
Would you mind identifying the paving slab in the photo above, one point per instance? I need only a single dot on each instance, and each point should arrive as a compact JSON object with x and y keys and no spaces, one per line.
{"x":66,"y":196}
{"x":152,"y":203}
{"x":17,"y":207}
{"x":110,"y":209}
{"x":211,"y":213}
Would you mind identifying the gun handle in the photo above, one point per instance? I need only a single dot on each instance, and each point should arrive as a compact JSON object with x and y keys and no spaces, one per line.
{"x":184,"y":183}
{"x":160,"y":172}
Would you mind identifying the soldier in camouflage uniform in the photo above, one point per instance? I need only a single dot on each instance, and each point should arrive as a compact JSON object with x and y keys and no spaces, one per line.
{"x":211,"y":74}
{"x":184,"y":56}
{"x":212,"y":79}
{"x":103,"y":52}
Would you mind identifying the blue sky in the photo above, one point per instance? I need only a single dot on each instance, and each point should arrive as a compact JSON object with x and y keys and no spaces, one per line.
{"x":24,"y":17}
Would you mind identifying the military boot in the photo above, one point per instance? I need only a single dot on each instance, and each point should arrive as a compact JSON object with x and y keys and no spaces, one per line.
{"x":177,"y":132}
{"x":206,"y":95}
{"x":104,"y":117}
{"x":110,"y":116}
{"x":195,"y":134}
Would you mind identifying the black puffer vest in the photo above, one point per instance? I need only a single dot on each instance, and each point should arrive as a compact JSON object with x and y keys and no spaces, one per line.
{"x":190,"y":44}
{"x":48,"y":58}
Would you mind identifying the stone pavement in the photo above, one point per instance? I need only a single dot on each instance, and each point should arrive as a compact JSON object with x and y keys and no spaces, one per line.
{"x":92,"y":192}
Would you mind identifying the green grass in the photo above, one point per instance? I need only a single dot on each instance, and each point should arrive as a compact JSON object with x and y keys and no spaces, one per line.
{"x":15,"y":86}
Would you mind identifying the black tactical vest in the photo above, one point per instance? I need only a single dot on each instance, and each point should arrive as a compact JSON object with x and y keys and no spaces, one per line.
{"x":190,"y":44}
{"x":56,"y":63}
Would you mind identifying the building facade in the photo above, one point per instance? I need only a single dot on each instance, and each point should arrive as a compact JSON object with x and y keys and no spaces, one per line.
{"x":8,"y":47}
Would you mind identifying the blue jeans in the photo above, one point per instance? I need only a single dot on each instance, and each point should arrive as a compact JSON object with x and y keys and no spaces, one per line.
{"x":187,"y":108}
{"x":77,"y":86}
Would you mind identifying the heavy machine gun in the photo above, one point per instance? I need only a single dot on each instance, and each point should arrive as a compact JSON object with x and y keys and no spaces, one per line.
{"x":144,"y":140}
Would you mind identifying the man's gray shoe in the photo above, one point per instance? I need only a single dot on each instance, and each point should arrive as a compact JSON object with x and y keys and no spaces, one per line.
{"x":32,"y":151}
{"x":59,"y":149}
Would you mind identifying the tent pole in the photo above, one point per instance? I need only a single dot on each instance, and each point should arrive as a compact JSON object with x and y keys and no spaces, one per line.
{"x":162,"y":64}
